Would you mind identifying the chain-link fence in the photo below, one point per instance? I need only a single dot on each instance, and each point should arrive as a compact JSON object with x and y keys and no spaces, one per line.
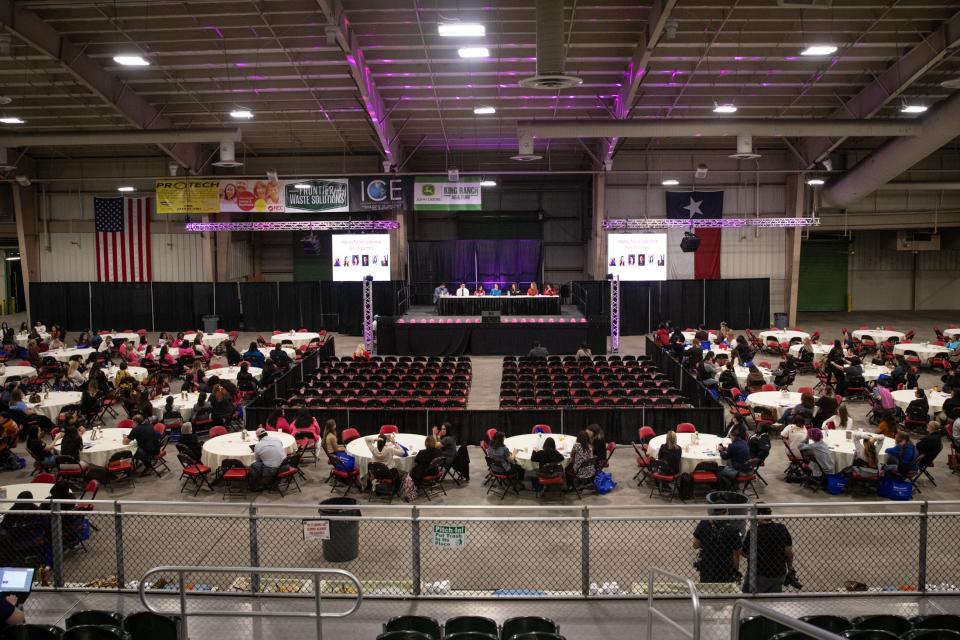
{"x":477,"y":552}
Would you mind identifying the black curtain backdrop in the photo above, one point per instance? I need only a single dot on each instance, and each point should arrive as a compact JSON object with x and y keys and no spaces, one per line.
{"x":741,"y":303}
{"x":177,"y":306}
{"x":456,"y":261}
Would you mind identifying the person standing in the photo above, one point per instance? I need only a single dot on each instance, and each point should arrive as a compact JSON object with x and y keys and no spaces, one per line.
{"x":440,"y":292}
{"x":774,"y":556}
{"x":718,"y":543}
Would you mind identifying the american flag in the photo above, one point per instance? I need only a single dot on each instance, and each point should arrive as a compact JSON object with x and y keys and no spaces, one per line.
{"x":123,"y":239}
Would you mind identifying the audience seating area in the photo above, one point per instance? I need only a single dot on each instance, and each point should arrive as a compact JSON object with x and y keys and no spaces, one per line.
{"x":392,"y":382}
{"x":470,"y":628}
{"x":586,"y":383}
{"x":101,"y":625}
{"x":871,"y":627}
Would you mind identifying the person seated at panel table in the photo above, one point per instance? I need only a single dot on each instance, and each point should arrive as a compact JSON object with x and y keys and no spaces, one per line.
{"x":514,"y":290}
{"x":532,"y":290}
{"x":440,"y":292}
{"x":480,"y":291}
{"x":495,"y":290}
{"x":462,"y":291}
{"x":549,"y":290}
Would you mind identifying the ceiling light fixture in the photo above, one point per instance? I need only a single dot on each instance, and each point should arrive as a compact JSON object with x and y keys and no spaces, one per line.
{"x":12,"y":120}
{"x":13,"y":258}
{"x":484,"y":111}
{"x":819,"y":50}
{"x":461,"y":30}
{"x":488,"y":183}
{"x":241,"y":114}
{"x":302,"y":186}
{"x":131,"y":61}
{"x":670,"y":182}
{"x":725,"y":108}
{"x":816,"y":182}
{"x":913,"y":108}
{"x":474,"y":52}
{"x":126,"y":189}
{"x":640,"y":224}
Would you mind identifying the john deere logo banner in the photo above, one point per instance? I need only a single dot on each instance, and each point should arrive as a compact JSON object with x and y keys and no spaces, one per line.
{"x":439,"y":194}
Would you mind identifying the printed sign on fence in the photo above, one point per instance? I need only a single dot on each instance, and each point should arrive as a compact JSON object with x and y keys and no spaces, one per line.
{"x":451,"y":537}
{"x":316,"y":529}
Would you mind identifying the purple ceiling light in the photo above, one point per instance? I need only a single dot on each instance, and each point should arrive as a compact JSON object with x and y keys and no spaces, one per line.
{"x":650,"y":224}
{"x":296,"y":225}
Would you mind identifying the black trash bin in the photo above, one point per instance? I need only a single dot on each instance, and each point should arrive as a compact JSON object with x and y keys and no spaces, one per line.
{"x":780,"y":321}
{"x":719,"y":500}
{"x":344,"y":542}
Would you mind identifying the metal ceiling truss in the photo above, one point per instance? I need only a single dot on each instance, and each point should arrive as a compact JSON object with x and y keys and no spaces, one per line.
{"x":296,"y":225}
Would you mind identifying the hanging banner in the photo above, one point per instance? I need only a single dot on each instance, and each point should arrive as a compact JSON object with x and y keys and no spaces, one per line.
{"x":377,"y":193}
{"x":313,"y":196}
{"x":188,"y":196}
{"x":243,"y":196}
{"x":439,"y":194}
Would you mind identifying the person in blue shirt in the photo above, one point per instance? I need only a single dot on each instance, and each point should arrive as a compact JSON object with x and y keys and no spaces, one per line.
{"x":495,"y":291}
{"x":254,"y":356}
{"x":954,"y":343}
{"x":902,"y":457}
{"x":736,"y":456}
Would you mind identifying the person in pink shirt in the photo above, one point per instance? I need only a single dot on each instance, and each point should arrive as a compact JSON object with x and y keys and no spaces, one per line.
{"x":277,"y":422}
{"x":306,"y":422}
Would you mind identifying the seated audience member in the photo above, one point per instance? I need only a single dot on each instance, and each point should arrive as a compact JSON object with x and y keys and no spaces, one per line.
{"x":189,"y":439}
{"x":743,"y":353}
{"x":693,"y":356}
{"x":532,"y":289}
{"x":148,"y":442}
{"x":786,"y":373}
{"x":806,"y":353}
{"x":901,"y":457}
{"x":245,"y":379}
{"x":671,"y":452}
{"x":269,"y":374}
{"x":736,"y":457}
{"x":269,"y":455}
{"x":866,"y":458}
{"x":896,"y":376}
{"x":71,"y":444}
{"x":805,"y":409}
{"x":755,"y":379}
{"x":161,"y":388}
{"x":202,"y":410}
{"x":171,"y":415}
{"x":254,"y":356}
{"x":383,"y":450}
{"x":821,"y":452}
{"x":826,"y":407}
{"x":514,"y":290}
{"x":16,"y":401}
{"x":9,"y":435}
{"x":709,"y":371}
{"x":221,"y":404}
{"x":885,"y":398}
{"x":919,"y":407}
{"x":582,"y":463}
{"x":548,"y":454}
{"x":661,"y":337}
{"x":495,"y":290}
{"x":728,"y":377}
{"x":278,"y":422}
{"x":795,"y":434}
{"x":841,"y":419}
{"x":852,"y":376}
{"x":930,"y":445}
{"x":280,"y":357}
{"x":584,"y":351}
{"x":33,"y":354}
{"x":448,"y":444}
{"x":951,"y":406}
{"x":598,"y":442}
{"x":329,"y":440}
{"x":538,"y":351}
{"x":45,"y":453}
{"x":74,"y":376}
{"x":306,"y":423}
{"x":426,"y":456}
{"x":361,"y":353}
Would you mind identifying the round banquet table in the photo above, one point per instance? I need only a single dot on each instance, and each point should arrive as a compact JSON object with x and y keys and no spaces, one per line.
{"x":39,"y":491}
{"x":873,"y":371}
{"x":777,"y":401}
{"x":843,"y":448}
{"x":64,"y":355}
{"x":743,"y":371}
{"x":15,"y":371}
{"x":138,"y":373}
{"x":230,"y":373}
{"x":181,"y":404}
{"x":951,"y":331}
{"x":297,"y":338}
{"x":924,"y":350}
{"x":783,"y":336}
{"x":526,"y":444}
{"x":878,"y":335}
{"x":23,"y":339}
{"x":690,"y":335}
{"x":287,"y":350}
{"x":693,"y":454}
{"x":98,"y":452}
{"x":54,"y":401}
{"x":361,"y":452}
{"x":232,"y":447}
{"x":820,"y":351}
{"x":934,"y":398}
{"x":209,"y":339}
{"x":125,"y":337}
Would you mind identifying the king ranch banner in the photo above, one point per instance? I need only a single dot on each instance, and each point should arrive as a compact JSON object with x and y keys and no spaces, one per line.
{"x":439,"y":194}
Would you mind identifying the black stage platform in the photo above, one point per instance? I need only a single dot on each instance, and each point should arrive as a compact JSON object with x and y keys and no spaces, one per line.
{"x":440,"y":336}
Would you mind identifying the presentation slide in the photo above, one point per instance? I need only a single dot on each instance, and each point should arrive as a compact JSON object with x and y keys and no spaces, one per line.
{"x":15,"y":580}
{"x":637,"y":256}
{"x":356,"y":256}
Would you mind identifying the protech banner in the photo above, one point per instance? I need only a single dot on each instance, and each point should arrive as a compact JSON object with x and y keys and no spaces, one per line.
{"x":439,"y":194}
{"x":187,"y":196}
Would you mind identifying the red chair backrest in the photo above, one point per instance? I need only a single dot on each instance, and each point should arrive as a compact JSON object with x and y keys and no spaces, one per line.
{"x":490,"y":434}
{"x":388,"y":428}
{"x":126,"y":423}
{"x":90,"y":492}
{"x":769,"y":387}
{"x":349,"y":435}
{"x":541,"y":428}
{"x":218,"y":431}
{"x":646,"y":433}
{"x":805,"y":390}
{"x":43,"y":478}
{"x":686,"y":427}
{"x":160,"y":428}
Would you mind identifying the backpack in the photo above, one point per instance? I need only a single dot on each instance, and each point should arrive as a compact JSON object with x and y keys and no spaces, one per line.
{"x":603,"y":482}
{"x":685,"y":487}
{"x":408,"y":490}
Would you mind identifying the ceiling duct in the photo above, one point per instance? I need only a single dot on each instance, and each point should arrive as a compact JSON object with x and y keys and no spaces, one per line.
{"x":228,"y":154}
{"x":744,"y":148}
{"x":551,"y":53}
{"x":4,"y":163}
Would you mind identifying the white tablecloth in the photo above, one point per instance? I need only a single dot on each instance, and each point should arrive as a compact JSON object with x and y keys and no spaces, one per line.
{"x":934,"y":398}
{"x":40,"y":491}
{"x":783,"y":336}
{"x":924,"y":350}
{"x":878,"y":335}
{"x":184,"y":406}
{"x":776,"y":401}
{"x":743,"y":371}
{"x":109,"y":442}
{"x":230,"y":373}
{"x":126,"y":337}
{"x":287,"y":350}
{"x":361,"y":452}
{"x":51,"y":405}
{"x":298,"y":339}
{"x":951,"y":331}
{"x":23,"y":339}
{"x":64,"y":355}
{"x":209,"y":339}
{"x":527,"y":443}
{"x":820,"y":351}
{"x":693,"y":454}
{"x":232,"y":446}
{"x":12,"y":372}
{"x":873,"y":371}
{"x":690,"y":335}
{"x":138,"y":373}
{"x":843,"y":448}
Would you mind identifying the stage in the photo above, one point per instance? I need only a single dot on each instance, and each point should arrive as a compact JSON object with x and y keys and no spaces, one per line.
{"x":421,"y":332}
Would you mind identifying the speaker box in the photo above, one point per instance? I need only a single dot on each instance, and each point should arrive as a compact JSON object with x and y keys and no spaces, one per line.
{"x":690,"y":243}
{"x":490,"y":317}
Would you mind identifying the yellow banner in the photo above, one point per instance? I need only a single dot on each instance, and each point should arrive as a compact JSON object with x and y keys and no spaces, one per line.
{"x":188,"y":196}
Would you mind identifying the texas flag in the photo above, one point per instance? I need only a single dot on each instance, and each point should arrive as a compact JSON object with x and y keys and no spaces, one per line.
{"x":693,"y":206}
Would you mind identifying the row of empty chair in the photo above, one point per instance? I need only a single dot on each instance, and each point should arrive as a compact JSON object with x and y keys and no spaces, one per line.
{"x":868,"y":627}
{"x":470,"y":628}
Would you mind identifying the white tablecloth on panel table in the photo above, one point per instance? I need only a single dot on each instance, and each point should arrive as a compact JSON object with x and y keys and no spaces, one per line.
{"x":820,"y":351}
{"x":17,"y":372}
{"x":181,"y":404}
{"x":51,"y":403}
{"x":39,"y":491}
{"x":935,"y":399}
{"x":693,"y":453}
{"x":526,"y":444}
{"x":878,"y":335}
{"x":924,"y":350}
{"x":232,"y":446}
{"x":64,"y":355}
{"x":776,"y":401}
{"x":296,"y":337}
{"x":361,"y":451}
{"x":209,"y":339}
{"x":783,"y":336}
{"x":98,"y":452}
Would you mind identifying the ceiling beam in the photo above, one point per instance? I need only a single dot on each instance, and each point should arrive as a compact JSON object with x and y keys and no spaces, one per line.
{"x":888,"y":85}
{"x":387,"y":137}
{"x":637,"y":69}
{"x":134,"y":108}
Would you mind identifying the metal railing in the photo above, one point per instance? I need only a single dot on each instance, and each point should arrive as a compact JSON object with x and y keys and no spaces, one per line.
{"x":317,"y":614}
{"x":653,"y":612}
{"x":805,"y":628}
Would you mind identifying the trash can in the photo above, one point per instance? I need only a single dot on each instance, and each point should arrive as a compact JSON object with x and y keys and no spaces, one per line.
{"x":344,"y":542}
{"x":780,"y":320}
{"x":719,"y":498}
{"x":210,"y":323}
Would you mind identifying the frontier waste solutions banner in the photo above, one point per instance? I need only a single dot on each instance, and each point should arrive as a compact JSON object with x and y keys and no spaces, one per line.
{"x":439,"y":194}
